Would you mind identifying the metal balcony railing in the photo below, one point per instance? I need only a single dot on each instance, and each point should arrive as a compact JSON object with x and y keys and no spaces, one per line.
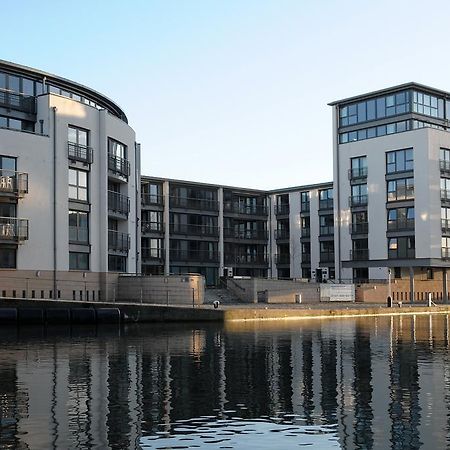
{"x":282,"y":209}
{"x":359,"y":228}
{"x":359,"y":254}
{"x":406,"y":253}
{"x":305,"y":232}
{"x":445,"y":225}
{"x":194,"y":203}
{"x":400,"y":225}
{"x":194,"y":255}
{"x":152,"y":254}
{"x":195,"y":230}
{"x":18,"y":102}
{"x":282,"y":234}
{"x":357,"y":200}
{"x":253,"y":258}
{"x":118,"y":203}
{"x":326,"y":204}
{"x":242,"y":208}
{"x":118,"y":166}
{"x":78,"y":152}
{"x":151,"y":199}
{"x":445,"y":253}
{"x":354,"y":174}
{"x":444,"y":166}
{"x":13,"y":229}
{"x":445,"y":195}
{"x":151,"y":227}
{"x":326,"y":230}
{"x":233,"y":233}
{"x":13,"y":182}
{"x":118,"y":242}
{"x":327,"y":256}
{"x":283,"y":258}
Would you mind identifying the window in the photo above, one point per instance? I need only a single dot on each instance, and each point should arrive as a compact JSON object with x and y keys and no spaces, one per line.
{"x":304,"y":199}
{"x":400,"y":219}
{"x":358,"y":167}
{"x":445,"y":189}
{"x":16,"y":124}
{"x":151,"y":221}
{"x":77,"y":136}
{"x":78,"y":185}
{"x":117,"y":263}
{"x":116,"y":148}
{"x":7,"y":258}
{"x":401,"y":189}
{"x":399,"y":161}
{"x":428,"y":105}
{"x":326,"y":198}
{"x":359,"y":195}
{"x":381,"y":130}
{"x":401,"y":247}
{"x":78,"y":261}
{"x":78,"y":227}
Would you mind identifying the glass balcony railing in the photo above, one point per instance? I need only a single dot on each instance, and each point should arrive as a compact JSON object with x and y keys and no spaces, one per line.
{"x":357,"y":200}
{"x":305,"y":232}
{"x":245,"y":209}
{"x":235,"y":233}
{"x":400,"y":225}
{"x":283,"y":258}
{"x":151,"y":199}
{"x":118,"y":242}
{"x":359,"y":228}
{"x":306,"y":258}
{"x":444,"y":166}
{"x":78,"y":152}
{"x":194,"y":255}
{"x":152,"y":254}
{"x":151,"y":227}
{"x":356,"y":174}
{"x":327,"y":256}
{"x":194,"y":203}
{"x":326,"y":230}
{"x":326,"y":203}
{"x":18,"y":102}
{"x":15,"y":183}
{"x":359,"y":254}
{"x":246,"y":259}
{"x":445,"y":225}
{"x":13,"y":229}
{"x":282,"y":209}
{"x":282,"y":234}
{"x":406,"y":253}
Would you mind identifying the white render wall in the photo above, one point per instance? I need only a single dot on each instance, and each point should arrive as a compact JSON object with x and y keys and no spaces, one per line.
{"x":426,"y":143}
{"x":34,"y":155}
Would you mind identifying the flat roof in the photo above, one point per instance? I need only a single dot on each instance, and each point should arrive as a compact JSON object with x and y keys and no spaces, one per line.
{"x":306,"y":187}
{"x":61,"y":82}
{"x":389,"y":90}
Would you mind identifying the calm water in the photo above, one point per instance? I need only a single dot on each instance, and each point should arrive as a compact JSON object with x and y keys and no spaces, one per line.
{"x":367,"y":383}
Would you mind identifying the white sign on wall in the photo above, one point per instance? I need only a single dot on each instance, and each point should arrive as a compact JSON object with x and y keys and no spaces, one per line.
{"x":337,"y":292}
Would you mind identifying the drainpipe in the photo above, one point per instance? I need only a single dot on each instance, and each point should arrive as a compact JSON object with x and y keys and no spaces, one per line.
{"x":54,"y":204}
{"x":336,"y":194}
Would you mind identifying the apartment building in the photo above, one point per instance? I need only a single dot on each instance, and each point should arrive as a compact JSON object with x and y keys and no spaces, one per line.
{"x":392,"y":184}
{"x":221,"y":230}
{"x":69,"y":185}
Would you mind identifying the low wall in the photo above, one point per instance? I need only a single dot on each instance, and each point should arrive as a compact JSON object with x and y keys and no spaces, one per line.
{"x":260,"y":290}
{"x":162,"y":290}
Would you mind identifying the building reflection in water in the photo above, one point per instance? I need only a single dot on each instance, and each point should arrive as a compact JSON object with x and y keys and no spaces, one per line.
{"x":382,"y":382}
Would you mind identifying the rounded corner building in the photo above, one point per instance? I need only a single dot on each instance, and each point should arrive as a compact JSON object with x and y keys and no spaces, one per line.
{"x":69,"y":188}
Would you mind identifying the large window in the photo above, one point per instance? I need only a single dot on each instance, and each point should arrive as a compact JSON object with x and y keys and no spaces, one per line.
{"x":77,"y":136}
{"x":78,"y":261}
{"x":401,"y":189}
{"x":428,"y":104}
{"x":16,"y":124}
{"x":78,"y":227}
{"x":401,"y":247}
{"x":304,"y":199}
{"x":399,"y":161}
{"x":78,"y":185}
{"x":358,"y":167}
{"x":400,"y":219}
{"x":117,"y":263}
{"x":326,"y":198}
{"x":117,"y":149}
{"x":7,"y":258}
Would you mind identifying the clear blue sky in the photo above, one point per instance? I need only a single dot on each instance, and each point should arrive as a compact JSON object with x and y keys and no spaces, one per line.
{"x":236,"y":91}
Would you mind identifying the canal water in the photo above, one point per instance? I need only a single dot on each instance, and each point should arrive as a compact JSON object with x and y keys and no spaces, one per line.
{"x":348,"y":383}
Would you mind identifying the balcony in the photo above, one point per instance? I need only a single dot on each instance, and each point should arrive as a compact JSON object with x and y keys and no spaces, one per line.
{"x":151,"y":199}
{"x":233,"y":233}
{"x":118,"y":203}
{"x":445,"y":195}
{"x":359,"y":254}
{"x":445,"y":225}
{"x":359,"y":228}
{"x":194,"y":230}
{"x":14,"y":183}
{"x":305,"y":207}
{"x":118,"y":166}
{"x":13,"y":230}
{"x":282,"y":209}
{"x":194,"y":256}
{"x":152,"y":254}
{"x":327,"y":256}
{"x":151,"y":227}
{"x":327,"y":230}
{"x":306,"y":232}
{"x":282,"y":234}
{"x":306,"y":258}
{"x":357,"y":200}
{"x":246,"y":259}
{"x":18,"y":102}
{"x":407,"y":253}
{"x":400,"y":225}
{"x":283,"y":258}
{"x":326,"y":204}
{"x":248,"y":210}
{"x":445,"y":253}
{"x":357,"y":174}
{"x":194,"y":203}
{"x":118,"y":242}
{"x":77,"y":152}
{"x":444,"y":166}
